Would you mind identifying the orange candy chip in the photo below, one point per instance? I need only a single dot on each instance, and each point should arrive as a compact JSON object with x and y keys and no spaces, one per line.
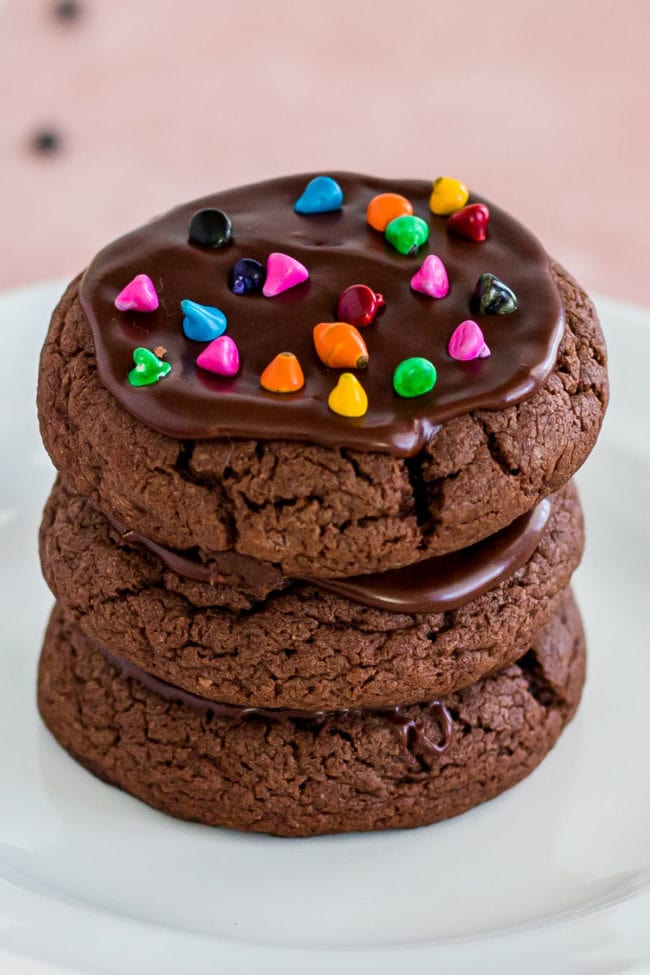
{"x":340,"y":346}
{"x":386,"y":207}
{"x":283,"y":374}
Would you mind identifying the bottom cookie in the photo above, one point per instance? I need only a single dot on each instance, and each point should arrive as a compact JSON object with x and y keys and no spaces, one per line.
{"x":301,"y":776}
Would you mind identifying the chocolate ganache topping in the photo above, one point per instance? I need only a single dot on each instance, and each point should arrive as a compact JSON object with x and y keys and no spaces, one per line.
{"x":339,"y":249}
{"x":434,"y":585}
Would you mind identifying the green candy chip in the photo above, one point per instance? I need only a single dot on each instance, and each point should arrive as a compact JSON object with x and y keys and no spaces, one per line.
{"x":414,"y":377}
{"x":148,"y":368}
{"x":407,"y":234}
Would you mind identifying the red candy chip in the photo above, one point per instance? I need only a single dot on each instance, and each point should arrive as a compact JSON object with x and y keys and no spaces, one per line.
{"x":358,"y":305}
{"x":471,"y":222}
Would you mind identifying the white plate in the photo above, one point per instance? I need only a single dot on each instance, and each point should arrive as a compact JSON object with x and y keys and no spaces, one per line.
{"x":553,"y":876}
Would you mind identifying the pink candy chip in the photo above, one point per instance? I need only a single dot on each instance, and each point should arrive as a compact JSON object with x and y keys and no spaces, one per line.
{"x":138,"y":295}
{"x":282,"y":272}
{"x":220,"y":356}
{"x":467,"y":342}
{"x":431,"y":279}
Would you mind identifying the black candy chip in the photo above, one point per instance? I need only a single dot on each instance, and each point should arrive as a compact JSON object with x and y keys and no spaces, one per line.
{"x":210,"y":228}
{"x":492,"y":296}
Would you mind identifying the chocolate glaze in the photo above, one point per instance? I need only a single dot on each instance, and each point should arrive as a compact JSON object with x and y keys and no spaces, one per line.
{"x":408,"y":729}
{"x":431,"y":586}
{"x":339,"y":249}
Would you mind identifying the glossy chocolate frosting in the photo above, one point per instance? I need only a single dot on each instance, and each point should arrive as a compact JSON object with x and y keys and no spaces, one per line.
{"x":433,"y":585}
{"x":339,"y":249}
{"x":407,"y":728}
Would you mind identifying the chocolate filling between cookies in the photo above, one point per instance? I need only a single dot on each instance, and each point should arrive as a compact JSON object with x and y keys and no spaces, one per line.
{"x":445,"y":582}
{"x":418,"y":746}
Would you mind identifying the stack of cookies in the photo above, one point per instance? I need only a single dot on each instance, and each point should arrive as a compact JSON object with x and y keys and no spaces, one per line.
{"x":318,"y":580}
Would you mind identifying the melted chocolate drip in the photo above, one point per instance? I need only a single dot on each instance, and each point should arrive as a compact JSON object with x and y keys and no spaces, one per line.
{"x":409,"y":731}
{"x":339,"y":249}
{"x":413,"y":738}
{"x":433,"y":585}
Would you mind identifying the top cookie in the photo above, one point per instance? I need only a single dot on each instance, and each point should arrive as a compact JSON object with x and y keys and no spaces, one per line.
{"x":198,"y":460}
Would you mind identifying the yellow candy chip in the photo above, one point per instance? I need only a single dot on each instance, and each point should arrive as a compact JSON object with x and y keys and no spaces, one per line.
{"x":448,"y":196}
{"x":348,"y":398}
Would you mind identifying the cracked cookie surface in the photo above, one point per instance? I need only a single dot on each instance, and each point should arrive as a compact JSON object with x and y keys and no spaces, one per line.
{"x":316,"y":511}
{"x":293,"y":644}
{"x":304,"y":777}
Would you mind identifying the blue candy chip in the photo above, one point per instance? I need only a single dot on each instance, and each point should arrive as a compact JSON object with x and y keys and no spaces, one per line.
{"x":321,"y":195}
{"x":201,"y":322}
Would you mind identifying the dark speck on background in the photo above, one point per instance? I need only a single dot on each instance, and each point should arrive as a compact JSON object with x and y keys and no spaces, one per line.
{"x":46,"y":142}
{"x":67,"y":10}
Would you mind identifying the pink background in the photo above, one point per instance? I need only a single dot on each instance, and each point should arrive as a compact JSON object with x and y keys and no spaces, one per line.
{"x":542,"y":106}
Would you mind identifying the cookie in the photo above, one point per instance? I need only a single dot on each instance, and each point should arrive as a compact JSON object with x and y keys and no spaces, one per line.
{"x":296,"y":644}
{"x":195,"y":459}
{"x":301,"y":776}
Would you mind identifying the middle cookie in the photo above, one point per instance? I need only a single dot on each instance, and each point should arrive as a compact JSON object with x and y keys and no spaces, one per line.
{"x":249,"y":636}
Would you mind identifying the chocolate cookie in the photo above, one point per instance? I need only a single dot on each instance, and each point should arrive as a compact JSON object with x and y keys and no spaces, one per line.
{"x":258,"y":638}
{"x":301,"y":776}
{"x":199,"y":460}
